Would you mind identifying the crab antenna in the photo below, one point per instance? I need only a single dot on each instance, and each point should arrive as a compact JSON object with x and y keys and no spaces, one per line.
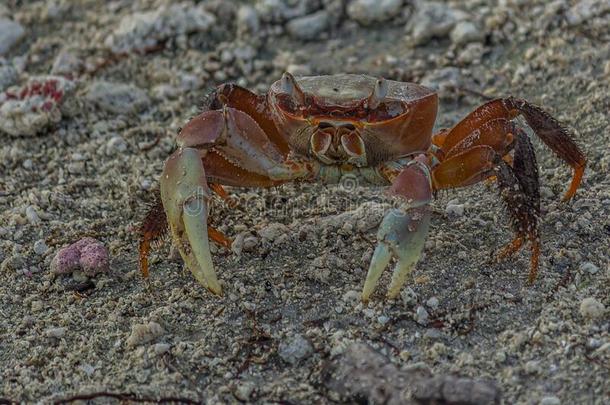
{"x":290,"y":87}
{"x":379,"y":92}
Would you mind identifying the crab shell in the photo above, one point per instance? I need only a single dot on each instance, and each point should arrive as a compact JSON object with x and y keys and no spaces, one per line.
{"x":353,"y":118}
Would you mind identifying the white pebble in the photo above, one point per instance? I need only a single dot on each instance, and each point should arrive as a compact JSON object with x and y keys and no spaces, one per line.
{"x":455,"y":209}
{"x":56,"y":332}
{"x":422,"y":315}
{"x":161,"y":348}
{"x":40,"y":247}
{"x":550,"y":401}
{"x":32,"y":215}
{"x":432,"y":303}
{"x":382,"y":319}
{"x":591,"y":308}
{"x":589,"y":268}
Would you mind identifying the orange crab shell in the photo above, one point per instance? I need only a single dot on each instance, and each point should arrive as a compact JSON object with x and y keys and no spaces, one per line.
{"x":395,"y":122}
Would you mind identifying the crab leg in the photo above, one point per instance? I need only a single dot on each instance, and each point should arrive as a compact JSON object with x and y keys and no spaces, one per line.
{"x":403,"y":230}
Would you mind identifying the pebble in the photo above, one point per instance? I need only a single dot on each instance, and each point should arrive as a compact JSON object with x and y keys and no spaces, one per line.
{"x":244,"y":390}
{"x":585,"y":10}
{"x":11,"y":32}
{"x":144,"y":333}
{"x":247,"y":20}
{"x":56,"y":332}
{"x":432,"y":303}
{"x":161,"y":348}
{"x":421,"y":315}
{"x":66,"y":63}
{"x":295,"y":349}
{"x":456,"y":210}
{"x":8,"y":76}
{"x":32,"y":215}
{"x":37,"y":107}
{"x":550,"y":401}
{"x":589,"y":267}
{"x":591,"y":308}
{"x":432,"y":20}
{"x":465,"y":32}
{"x":309,"y":27}
{"x":117,"y":98}
{"x":40,"y":247}
{"x":444,"y":80}
{"x":115,"y":145}
{"x":367,"y":12}
{"x":88,"y":255}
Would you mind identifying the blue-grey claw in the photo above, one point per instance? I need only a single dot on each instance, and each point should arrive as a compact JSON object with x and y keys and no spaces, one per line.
{"x":401,"y":235}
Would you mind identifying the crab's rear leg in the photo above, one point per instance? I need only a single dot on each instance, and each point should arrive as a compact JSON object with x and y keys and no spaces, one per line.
{"x":463,"y":164}
{"x":403,"y":230}
{"x":556,"y":136}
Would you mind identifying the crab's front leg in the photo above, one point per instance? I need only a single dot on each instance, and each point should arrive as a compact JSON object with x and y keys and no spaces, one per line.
{"x":225,"y":146}
{"x":404,"y":229}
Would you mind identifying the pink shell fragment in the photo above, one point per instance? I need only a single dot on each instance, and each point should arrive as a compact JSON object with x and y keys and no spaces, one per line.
{"x":87,"y":254}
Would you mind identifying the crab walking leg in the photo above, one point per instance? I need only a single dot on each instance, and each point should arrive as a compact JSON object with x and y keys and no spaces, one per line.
{"x":403,"y":230}
{"x":185,"y":195}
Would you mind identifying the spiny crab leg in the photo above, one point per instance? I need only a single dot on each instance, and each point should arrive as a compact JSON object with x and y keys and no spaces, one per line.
{"x":185,"y":195}
{"x":403,"y":230}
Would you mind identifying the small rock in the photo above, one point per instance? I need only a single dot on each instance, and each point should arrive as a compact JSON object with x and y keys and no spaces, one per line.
{"x":34,"y":106}
{"x":115,"y":145}
{"x":32,"y":215}
{"x":273,"y":231}
{"x":589,"y":267}
{"x":422,"y":315}
{"x":11,"y":32}
{"x":87,"y":254}
{"x":532,"y":367}
{"x":591,"y":308}
{"x":66,"y":63}
{"x":367,"y":12}
{"x":456,"y":210}
{"x":40,"y":247}
{"x":247,"y":20}
{"x":295,"y":349}
{"x":465,"y":32}
{"x":550,"y":401}
{"x":144,"y":333}
{"x":117,"y":98}
{"x":8,"y":76}
{"x":244,"y":390}
{"x":432,"y":303}
{"x":56,"y":332}
{"x":161,"y":348}
{"x":432,"y":20}
{"x":585,"y":10}
{"x":308,"y":27}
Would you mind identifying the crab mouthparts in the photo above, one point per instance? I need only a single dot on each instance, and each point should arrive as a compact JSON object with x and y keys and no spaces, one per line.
{"x":338,"y":144}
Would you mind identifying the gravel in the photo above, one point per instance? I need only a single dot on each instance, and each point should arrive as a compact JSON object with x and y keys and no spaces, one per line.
{"x":291,"y":326}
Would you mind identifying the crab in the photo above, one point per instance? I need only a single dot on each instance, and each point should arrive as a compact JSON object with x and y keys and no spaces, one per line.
{"x":322,"y":128}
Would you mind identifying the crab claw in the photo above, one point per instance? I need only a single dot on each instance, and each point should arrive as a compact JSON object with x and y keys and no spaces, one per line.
{"x":403,"y":230}
{"x":185,"y":194}
{"x":401,"y":235}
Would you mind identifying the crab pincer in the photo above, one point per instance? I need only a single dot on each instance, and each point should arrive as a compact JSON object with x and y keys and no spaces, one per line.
{"x":185,"y":195}
{"x":403,"y":230}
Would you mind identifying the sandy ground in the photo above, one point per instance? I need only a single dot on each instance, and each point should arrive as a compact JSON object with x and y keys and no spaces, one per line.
{"x":136,"y":71}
